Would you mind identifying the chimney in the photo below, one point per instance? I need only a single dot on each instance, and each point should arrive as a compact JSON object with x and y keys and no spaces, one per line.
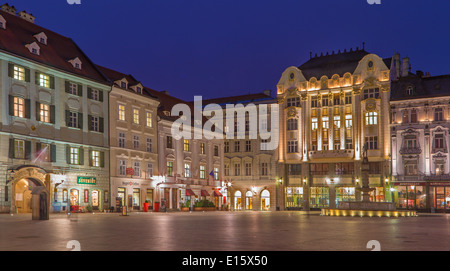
{"x":395,"y":67}
{"x":27,"y":17}
{"x":405,"y":66}
{"x":10,"y":9}
{"x":267,"y":92}
{"x":419,"y":73}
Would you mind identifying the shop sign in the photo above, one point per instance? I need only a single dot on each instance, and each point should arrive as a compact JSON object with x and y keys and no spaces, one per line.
{"x":86,"y":180}
{"x":440,"y":183}
{"x":408,"y":183}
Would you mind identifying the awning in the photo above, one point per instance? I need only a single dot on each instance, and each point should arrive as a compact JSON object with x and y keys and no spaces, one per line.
{"x":205,"y":193}
{"x":189,"y":192}
{"x":217,"y":193}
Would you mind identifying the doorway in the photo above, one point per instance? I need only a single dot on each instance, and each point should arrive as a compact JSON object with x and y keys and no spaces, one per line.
{"x":265,"y":200}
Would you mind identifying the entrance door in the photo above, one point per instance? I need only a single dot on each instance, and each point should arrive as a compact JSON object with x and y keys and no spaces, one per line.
{"x":136,"y":198}
{"x":265,"y":200}
{"x":249,"y":200}
{"x":95,"y":200}
{"x":43,"y":207}
{"x":23,"y":196}
{"x":237,"y":201}
{"x":74,"y":199}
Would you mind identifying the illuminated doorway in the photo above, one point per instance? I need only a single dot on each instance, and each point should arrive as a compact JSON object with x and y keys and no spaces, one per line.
{"x":237,"y":200}
{"x":249,"y":200}
{"x":265,"y":200}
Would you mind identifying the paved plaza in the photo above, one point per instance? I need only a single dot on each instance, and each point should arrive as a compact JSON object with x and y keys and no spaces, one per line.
{"x":223,"y":231}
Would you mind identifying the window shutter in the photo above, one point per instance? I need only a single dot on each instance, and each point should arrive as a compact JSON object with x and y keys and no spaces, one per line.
{"x":36,"y":79}
{"x":11,"y":105}
{"x":11,"y":148}
{"x":38,"y":147}
{"x":89,"y":93}
{"x":102,"y":159}
{"x":52,"y":114}
{"x":52,"y":82}
{"x":90,"y":158}
{"x":53,"y":153}
{"x":67,"y":118}
{"x":101,"y":124}
{"x":67,"y":154}
{"x":27,"y":75}
{"x":100,"y":96}
{"x":67,"y":86}
{"x":11,"y":70}
{"x":81,"y":160}
{"x":28,"y":150}
{"x":89,"y":122}
{"x":27,"y":108}
{"x":80,"y":120}
{"x":80,"y":90}
{"x":38,"y":111}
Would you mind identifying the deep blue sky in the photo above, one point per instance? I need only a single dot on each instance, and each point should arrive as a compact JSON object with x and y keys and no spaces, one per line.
{"x":217,"y":48}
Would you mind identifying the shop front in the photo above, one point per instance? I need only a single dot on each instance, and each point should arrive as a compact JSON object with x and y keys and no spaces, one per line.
{"x":293,"y":197}
{"x":409,"y":195}
{"x":319,"y":197}
{"x":132,"y":194}
{"x":440,"y":197}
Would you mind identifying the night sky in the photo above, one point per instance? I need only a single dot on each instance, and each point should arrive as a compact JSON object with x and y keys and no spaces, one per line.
{"x":217,"y":48}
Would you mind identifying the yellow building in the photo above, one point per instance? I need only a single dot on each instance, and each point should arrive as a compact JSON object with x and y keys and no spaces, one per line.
{"x":330,"y":107}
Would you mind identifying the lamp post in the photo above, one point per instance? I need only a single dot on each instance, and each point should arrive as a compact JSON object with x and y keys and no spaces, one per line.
{"x":279,"y":182}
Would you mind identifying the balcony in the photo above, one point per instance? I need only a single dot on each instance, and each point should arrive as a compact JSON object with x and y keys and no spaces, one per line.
{"x":415,"y":150}
{"x":438,"y":177}
{"x":331,"y":154}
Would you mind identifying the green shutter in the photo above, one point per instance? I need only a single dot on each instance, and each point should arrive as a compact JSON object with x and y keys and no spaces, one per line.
{"x":81,"y":160}
{"x":36,"y":79}
{"x":52,"y":114}
{"x":11,"y":105}
{"x":27,"y":75}
{"x":102,"y":159}
{"x":101,"y":124}
{"x":67,"y":118}
{"x":38,"y":147}
{"x":27,"y":150}
{"x":11,"y":148}
{"x":52,"y":82}
{"x":38,"y":111}
{"x":11,"y":70}
{"x":27,"y":108}
{"x":67,"y":154}
{"x":53,"y":152}
{"x":67,"y":86}
{"x":80,"y":90}
{"x":89,"y":93}
{"x":90,"y":158}
{"x":100,"y":95}
{"x":80,"y":120}
{"x":89,"y":122}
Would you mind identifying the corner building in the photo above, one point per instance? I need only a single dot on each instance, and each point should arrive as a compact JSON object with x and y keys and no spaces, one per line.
{"x":330,"y":107}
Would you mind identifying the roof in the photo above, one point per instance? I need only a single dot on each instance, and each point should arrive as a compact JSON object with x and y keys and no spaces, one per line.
{"x":243,"y":99}
{"x":332,"y":64}
{"x":422,"y":87}
{"x":55,"y":54}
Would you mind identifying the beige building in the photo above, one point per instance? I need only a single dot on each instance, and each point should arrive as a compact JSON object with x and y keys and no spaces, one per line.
{"x":330,"y":107}
{"x":250,"y":167}
{"x":53,"y":121}
{"x":133,"y":142}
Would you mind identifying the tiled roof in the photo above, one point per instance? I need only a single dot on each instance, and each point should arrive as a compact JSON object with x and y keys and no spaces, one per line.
{"x":422,"y":87}
{"x":243,"y":99}
{"x":55,"y":54}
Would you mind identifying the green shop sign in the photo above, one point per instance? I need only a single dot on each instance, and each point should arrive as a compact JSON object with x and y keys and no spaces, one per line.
{"x":86,"y":180}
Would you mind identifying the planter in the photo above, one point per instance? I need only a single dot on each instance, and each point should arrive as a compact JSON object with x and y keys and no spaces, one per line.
{"x":199,"y":209}
{"x":156,"y":207}
{"x":145,"y":206}
{"x":211,"y":208}
{"x":185,"y":209}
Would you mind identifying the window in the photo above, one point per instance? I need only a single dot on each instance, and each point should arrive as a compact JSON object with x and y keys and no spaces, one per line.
{"x":237,"y":169}
{"x":73,"y":119}
{"x":337,"y":121}
{"x":405,"y":117}
{"x":318,"y":168}
{"x":73,"y":89}
{"x":325,"y":123}
{"x":314,"y":124}
{"x":149,"y":120}
{"x":413,"y":115}
{"x":19,"y":149}
{"x":237,"y":146}
{"x":44,"y":80}
{"x":264,"y":144}
{"x":19,"y":73}
{"x":202,"y":148}
{"x":410,"y":142}
{"x":292,"y":124}
{"x":95,"y":156}
{"x":19,"y":107}
{"x":187,"y":170}
{"x":336,"y":99}
{"x":348,"y":144}
{"x":74,"y":156}
{"x":292,"y":146}
{"x":170,"y":168}
{"x":137,"y":169}
{"x":43,"y":152}
{"x":216,"y":173}
{"x":226,"y":168}
{"x":371,"y":93}
{"x":186,"y":145}
{"x":348,"y":98}
{"x":169,"y":142}
{"x":411,"y":168}
{"x":348,"y":121}
{"x":371,"y":118}
{"x":135,"y":116}
{"x":149,"y":147}
{"x":123,"y":84}
{"x":248,"y":169}
{"x":94,"y":94}
{"x":202,"y":172}
{"x":149,"y":170}
{"x":313,"y":102}
{"x":293,"y":101}
{"x":248,"y":146}
{"x":136,"y":140}
{"x":44,"y":112}
{"x":264,"y":169}
{"x":121,"y":112}
{"x":139,"y":90}
{"x":122,"y":140}
{"x":294,"y":169}
{"x":95,"y":124}
{"x":438,"y":114}
{"x":216,"y":150}
{"x":439,"y":141}
{"x":122,"y":167}
{"x":372,"y":142}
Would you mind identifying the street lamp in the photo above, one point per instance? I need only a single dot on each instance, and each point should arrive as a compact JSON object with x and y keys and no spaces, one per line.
{"x":279,"y":182}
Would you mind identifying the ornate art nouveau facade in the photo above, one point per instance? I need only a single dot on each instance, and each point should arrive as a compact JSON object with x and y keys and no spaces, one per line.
{"x":329,"y":108}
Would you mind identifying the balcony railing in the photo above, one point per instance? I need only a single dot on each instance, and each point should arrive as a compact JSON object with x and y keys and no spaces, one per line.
{"x":406,"y":150}
{"x":331,"y":154}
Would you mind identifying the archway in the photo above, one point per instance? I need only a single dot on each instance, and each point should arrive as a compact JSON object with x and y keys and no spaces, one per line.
{"x":265,"y":200}
{"x":237,"y":200}
{"x":249,"y":200}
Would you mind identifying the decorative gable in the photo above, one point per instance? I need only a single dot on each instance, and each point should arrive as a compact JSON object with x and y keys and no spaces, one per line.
{"x":76,"y":63}
{"x":41,"y":37}
{"x":34,"y":48}
{"x":137,"y":88}
{"x":123,"y":83}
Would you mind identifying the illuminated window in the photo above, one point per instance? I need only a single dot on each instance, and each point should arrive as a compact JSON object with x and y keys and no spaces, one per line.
{"x":44,"y":112}
{"x":19,"y":149}
{"x":121,"y":112}
{"x":187,"y":170}
{"x":216,"y":173}
{"x":202,"y":172}
{"x":136,"y":116}
{"x":149,"y":120}
{"x":19,"y":73}
{"x":44,"y":80}
{"x":371,"y":118}
{"x":170,"y":168}
{"x":292,"y":124}
{"x":203,"y":150}
{"x":337,"y":121}
{"x":95,"y":157}
{"x":74,"y":156}
{"x":325,"y":123}
{"x":186,"y":145}
{"x":19,"y":107}
{"x":314,"y":124}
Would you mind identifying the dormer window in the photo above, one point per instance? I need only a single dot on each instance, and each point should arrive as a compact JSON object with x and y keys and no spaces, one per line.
{"x":33,"y":48}
{"x":139,"y":90}
{"x":76,"y":63}
{"x":123,"y":84}
{"x":41,"y":38}
{"x":2,"y":22}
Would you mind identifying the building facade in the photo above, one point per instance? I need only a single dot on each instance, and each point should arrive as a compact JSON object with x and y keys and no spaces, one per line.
{"x":330,"y":108}
{"x":54,"y":121}
{"x":420,"y":138}
{"x":133,"y":142}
